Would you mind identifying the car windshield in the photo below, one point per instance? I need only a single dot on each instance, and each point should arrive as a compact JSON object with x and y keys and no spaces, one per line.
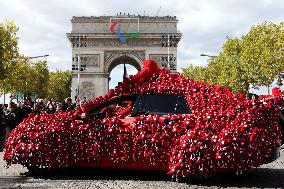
{"x":160,"y":104}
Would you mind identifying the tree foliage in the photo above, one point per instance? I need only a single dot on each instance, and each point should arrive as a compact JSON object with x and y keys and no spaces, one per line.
{"x":256,"y":59}
{"x":26,"y":77}
{"x":59,"y":85}
{"x":8,"y":45}
{"x":19,"y":77}
{"x":41,"y":79}
{"x":34,"y":78}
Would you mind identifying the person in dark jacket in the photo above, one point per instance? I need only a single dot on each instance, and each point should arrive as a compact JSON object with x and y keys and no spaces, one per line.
{"x":68,"y":105}
{"x":50,"y":107}
{"x":2,"y":128}
{"x":11,"y":119}
{"x":23,"y":111}
{"x":39,"y":107}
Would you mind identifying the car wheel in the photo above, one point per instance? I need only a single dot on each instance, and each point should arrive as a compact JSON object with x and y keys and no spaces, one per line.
{"x":40,"y":171}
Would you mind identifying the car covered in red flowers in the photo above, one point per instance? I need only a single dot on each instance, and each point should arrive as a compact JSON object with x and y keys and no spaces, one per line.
{"x":154,"y":120}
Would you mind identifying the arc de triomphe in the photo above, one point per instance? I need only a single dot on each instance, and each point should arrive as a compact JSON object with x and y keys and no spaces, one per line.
{"x":101,"y":43}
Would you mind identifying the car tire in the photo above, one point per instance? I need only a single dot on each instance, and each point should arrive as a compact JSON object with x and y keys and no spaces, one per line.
{"x":40,"y":171}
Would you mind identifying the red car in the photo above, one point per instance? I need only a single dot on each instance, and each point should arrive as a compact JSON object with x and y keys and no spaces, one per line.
{"x":155,"y":120}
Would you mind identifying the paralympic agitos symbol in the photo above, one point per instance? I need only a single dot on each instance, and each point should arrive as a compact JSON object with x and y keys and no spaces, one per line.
{"x":115,"y":28}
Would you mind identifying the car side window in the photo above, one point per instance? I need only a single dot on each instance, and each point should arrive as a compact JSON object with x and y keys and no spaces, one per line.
{"x":160,"y":104}
{"x":182,"y":107}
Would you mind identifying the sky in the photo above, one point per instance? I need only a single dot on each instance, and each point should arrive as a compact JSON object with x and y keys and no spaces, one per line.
{"x":204,"y":24}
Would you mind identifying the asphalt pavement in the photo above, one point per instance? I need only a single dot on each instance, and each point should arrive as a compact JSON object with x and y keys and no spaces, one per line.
{"x":267,"y":176}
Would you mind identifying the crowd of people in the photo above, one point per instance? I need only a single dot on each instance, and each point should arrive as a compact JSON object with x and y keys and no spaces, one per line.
{"x":15,"y":112}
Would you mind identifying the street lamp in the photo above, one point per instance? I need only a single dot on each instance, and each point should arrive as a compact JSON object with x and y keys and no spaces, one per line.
{"x":33,"y":57}
{"x":28,"y":58}
{"x":210,"y":56}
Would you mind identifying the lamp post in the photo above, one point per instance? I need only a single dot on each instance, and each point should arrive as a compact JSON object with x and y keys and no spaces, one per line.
{"x":168,"y":44}
{"x":78,"y":57}
{"x":171,"y":41}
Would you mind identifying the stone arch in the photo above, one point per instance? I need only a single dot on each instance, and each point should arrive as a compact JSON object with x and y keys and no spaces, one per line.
{"x":103,"y":49}
{"x":123,"y":57}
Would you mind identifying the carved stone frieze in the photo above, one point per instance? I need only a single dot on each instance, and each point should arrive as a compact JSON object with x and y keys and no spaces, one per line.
{"x":162,"y":60}
{"x":87,"y":90}
{"x":90,"y":59}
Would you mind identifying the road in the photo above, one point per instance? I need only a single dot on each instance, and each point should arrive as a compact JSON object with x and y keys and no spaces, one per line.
{"x":267,"y":176}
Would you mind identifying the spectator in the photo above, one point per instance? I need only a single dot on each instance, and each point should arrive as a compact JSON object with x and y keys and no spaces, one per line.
{"x":59,"y":107}
{"x":83,"y":101}
{"x":19,"y":104}
{"x":77,"y":100}
{"x":39,"y":107}
{"x":11,"y":99}
{"x":11,"y":119}
{"x":23,"y":111}
{"x":30,"y":102}
{"x":2,"y":129}
{"x":68,"y":105}
{"x":50,"y":107}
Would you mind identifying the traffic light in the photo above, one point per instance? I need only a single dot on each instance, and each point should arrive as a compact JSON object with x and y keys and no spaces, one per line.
{"x":74,"y":67}
{"x":82,"y":67}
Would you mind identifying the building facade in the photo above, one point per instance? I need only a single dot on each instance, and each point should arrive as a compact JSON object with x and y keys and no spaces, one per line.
{"x":101,"y":43}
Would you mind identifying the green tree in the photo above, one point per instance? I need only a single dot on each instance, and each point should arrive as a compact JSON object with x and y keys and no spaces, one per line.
{"x":200,"y":73}
{"x":26,"y":77}
{"x":256,"y":59}
{"x":41,"y":78}
{"x":59,"y":85}
{"x":20,"y":77}
{"x":8,"y":50}
{"x":8,"y":46}
{"x":262,"y":54}
{"x":229,"y":70}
